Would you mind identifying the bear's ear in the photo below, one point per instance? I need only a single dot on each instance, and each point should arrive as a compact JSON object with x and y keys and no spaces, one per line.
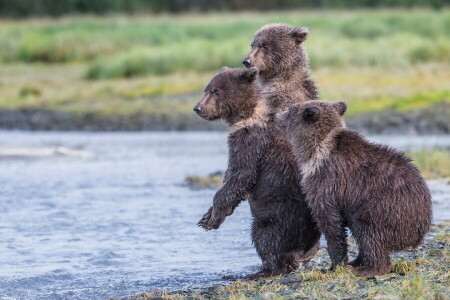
{"x":299,"y":34}
{"x":311,"y":114}
{"x":249,"y":74}
{"x":341,"y":107}
{"x":223,"y":69}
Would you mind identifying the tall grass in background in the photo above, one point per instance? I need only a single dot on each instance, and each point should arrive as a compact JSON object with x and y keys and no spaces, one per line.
{"x":116,"y":47}
{"x":433,"y":163}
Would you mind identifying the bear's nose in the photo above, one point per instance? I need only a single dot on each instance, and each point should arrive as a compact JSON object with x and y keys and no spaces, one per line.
{"x":247,"y":63}
{"x":197,"y":108}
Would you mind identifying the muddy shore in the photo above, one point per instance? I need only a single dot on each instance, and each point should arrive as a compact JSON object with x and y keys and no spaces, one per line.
{"x":431,"y":120}
{"x":420,"y":274}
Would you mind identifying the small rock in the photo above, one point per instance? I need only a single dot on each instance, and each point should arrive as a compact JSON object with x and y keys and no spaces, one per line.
{"x":293,"y":278}
{"x":267,"y":296}
{"x":385,"y":277}
{"x":296,"y":286}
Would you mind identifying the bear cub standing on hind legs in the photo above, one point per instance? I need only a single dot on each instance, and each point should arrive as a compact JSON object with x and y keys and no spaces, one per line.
{"x":278,"y":53}
{"x":372,"y":189}
{"x":261,"y":168}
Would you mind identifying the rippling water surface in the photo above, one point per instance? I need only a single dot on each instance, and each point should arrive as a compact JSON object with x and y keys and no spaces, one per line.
{"x":98,"y":215}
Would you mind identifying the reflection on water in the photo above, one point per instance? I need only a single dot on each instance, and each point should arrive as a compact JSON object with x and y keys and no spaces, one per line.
{"x":111,"y":220}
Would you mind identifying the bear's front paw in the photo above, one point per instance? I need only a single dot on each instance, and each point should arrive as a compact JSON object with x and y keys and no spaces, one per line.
{"x":217,"y":218}
{"x":203,"y":223}
{"x":212,"y":219}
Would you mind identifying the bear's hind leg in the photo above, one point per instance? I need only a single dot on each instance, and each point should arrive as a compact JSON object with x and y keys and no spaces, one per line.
{"x":272,"y":265}
{"x":373,"y":263}
{"x":269,"y":245}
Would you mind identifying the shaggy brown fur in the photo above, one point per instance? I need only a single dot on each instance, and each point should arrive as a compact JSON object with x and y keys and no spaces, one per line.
{"x":278,"y":52}
{"x":261,"y":168}
{"x":372,"y":189}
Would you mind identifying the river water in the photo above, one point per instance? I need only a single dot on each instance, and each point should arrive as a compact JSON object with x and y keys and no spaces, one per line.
{"x":99,"y":215}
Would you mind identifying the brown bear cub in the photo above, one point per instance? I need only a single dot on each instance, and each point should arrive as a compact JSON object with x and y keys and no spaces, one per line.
{"x":261,"y":169}
{"x":372,"y":189}
{"x":278,"y":53}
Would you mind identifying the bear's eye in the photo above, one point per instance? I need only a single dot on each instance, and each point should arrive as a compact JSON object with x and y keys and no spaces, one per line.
{"x":215,"y":92}
{"x":262,"y":45}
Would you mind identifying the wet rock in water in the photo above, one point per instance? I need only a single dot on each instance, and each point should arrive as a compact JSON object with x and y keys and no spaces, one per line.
{"x":211,"y":181}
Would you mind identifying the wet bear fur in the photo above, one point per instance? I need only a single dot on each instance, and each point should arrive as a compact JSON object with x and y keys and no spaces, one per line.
{"x":372,"y":189}
{"x":262,"y":170}
{"x":278,"y":53}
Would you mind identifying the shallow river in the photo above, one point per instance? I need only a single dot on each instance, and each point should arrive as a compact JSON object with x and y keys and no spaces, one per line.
{"x":98,"y":215}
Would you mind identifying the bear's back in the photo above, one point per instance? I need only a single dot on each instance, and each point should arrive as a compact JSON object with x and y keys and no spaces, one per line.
{"x":380,"y":185}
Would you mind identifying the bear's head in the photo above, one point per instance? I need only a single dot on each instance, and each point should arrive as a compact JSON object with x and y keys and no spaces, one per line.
{"x":310,"y":122}
{"x":277,"y":49}
{"x":229,"y":96}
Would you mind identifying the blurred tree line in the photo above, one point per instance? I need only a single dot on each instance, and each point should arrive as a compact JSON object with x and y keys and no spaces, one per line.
{"x":25,"y":8}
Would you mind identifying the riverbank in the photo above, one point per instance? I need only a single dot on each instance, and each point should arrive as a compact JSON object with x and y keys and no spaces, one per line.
{"x":421,"y":274}
{"x":430,"y":120}
{"x":434,"y":164}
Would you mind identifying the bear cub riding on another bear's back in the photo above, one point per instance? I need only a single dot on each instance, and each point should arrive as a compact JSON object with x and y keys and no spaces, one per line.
{"x":261,"y":169}
{"x":278,"y":53}
{"x":372,"y":189}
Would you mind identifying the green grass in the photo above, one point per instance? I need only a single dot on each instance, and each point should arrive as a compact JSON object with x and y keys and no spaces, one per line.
{"x":158,"y":65}
{"x":62,"y":87}
{"x":410,"y":102}
{"x":117,"y":47}
{"x":432,"y":163}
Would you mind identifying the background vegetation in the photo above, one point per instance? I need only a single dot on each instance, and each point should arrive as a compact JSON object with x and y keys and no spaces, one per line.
{"x":150,"y":45}
{"x":157,"y":65}
{"x":23,"y":8}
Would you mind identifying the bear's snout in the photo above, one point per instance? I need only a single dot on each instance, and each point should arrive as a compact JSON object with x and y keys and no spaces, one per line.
{"x":198,"y":109}
{"x":247,"y":63}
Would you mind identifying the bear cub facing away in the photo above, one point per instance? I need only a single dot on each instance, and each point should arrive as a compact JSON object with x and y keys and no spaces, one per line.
{"x":261,"y":169}
{"x":278,"y":53}
{"x":372,"y":189}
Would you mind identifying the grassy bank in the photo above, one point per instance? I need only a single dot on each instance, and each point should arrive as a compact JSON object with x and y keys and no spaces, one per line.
{"x":433,"y":164}
{"x":419,"y":275}
{"x":156,"y":66}
{"x":61,"y":87}
{"x":124,"y":47}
